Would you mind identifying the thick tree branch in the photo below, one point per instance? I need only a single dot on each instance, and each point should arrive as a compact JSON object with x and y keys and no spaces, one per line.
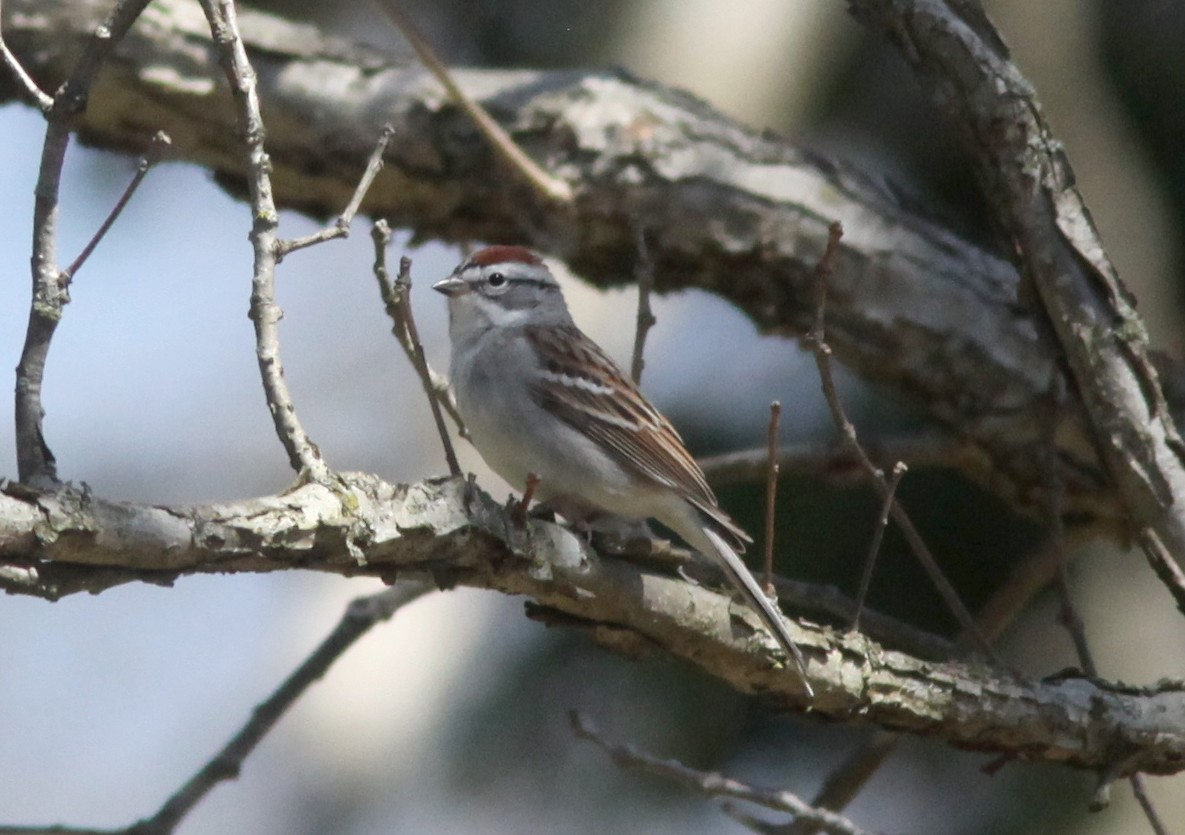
{"x":1027,"y":177}
{"x":727,"y":209}
{"x":431,"y":529}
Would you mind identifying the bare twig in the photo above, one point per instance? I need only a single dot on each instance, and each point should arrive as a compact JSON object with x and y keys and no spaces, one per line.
{"x":835,"y":461}
{"x":771,"y":494}
{"x":710,"y":783}
{"x":550,"y":187}
{"x":816,"y":338}
{"x":360,"y":616}
{"x":380,"y":234}
{"x":1054,"y":491}
{"x":1165,"y":565}
{"x":303,"y":454}
{"x":341,"y":225}
{"x":35,"y":94}
{"x":644,"y":273}
{"x":156,"y":149}
{"x":1140,"y":790}
{"x":878,"y":535}
{"x":397,"y":302}
{"x":35,"y":462}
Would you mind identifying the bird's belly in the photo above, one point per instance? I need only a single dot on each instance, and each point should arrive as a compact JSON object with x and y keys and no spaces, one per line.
{"x":517,"y":438}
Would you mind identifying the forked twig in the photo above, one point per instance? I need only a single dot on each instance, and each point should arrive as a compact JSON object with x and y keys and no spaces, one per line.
{"x":713,"y":784}
{"x":397,"y":302}
{"x":340,"y":228}
{"x":35,"y":463}
{"x":303,"y":454}
{"x":550,"y":187}
{"x":816,"y":338}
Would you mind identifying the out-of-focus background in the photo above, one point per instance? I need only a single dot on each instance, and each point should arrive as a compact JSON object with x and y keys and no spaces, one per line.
{"x":453,"y":717}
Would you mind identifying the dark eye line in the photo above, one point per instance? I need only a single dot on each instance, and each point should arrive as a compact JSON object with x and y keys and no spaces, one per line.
{"x":516,"y":280}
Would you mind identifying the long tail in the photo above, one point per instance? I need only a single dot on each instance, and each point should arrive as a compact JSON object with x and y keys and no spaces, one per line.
{"x":745,"y":583}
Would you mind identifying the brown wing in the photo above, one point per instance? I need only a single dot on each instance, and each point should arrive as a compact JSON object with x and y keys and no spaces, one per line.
{"x":583,"y":387}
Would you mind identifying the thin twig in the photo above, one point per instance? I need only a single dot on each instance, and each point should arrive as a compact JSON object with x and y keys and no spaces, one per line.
{"x":360,"y":616}
{"x":550,"y":187}
{"x":397,"y":302}
{"x":303,"y":454}
{"x":835,"y":461}
{"x":771,"y":494}
{"x":36,"y":95}
{"x":340,"y":228}
{"x":710,"y":783}
{"x":35,"y":462}
{"x":1166,"y":567}
{"x":816,"y":338}
{"x":156,"y":149}
{"x":1055,"y":491}
{"x":878,"y":536}
{"x":1140,"y":790}
{"x":644,"y":272}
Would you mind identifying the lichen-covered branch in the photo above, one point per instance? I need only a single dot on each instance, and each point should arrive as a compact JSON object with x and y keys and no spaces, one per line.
{"x":728,"y":209}
{"x":55,"y":543}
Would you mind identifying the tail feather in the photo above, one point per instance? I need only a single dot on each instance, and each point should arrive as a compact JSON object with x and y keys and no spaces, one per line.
{"x":738,"y":573}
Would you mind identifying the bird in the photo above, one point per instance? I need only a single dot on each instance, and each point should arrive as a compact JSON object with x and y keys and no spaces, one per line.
{"x":544,"y":403}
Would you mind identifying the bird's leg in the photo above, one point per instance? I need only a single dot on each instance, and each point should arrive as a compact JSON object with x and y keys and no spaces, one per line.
{"x":518,"y":513}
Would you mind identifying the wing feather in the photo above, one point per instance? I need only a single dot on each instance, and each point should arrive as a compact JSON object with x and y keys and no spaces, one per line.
{"x":582,"y":386}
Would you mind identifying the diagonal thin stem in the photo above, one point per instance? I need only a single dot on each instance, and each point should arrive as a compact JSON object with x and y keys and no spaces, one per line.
{"x":397,"y":301}
{"x":43,"y":101}
{"x":156,"y":149}
{"x":35,"y":463}
{"x":878,"y":536}
{"x":550,"y":187}
{"x":340,"y":228}
{"x":771,"y":495}
{"x":646,"y":320}
{"x":816,"y":338}
{"x":713,"y":784}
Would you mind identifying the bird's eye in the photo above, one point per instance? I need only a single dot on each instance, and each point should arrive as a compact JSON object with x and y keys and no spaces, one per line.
{"x":496,"y":279}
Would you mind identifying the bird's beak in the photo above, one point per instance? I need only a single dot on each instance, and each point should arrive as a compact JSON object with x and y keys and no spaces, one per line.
{"x":451,"y":286}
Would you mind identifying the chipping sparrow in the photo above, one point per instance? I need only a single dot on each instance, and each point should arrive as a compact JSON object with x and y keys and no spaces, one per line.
{"x":541,"y":398}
